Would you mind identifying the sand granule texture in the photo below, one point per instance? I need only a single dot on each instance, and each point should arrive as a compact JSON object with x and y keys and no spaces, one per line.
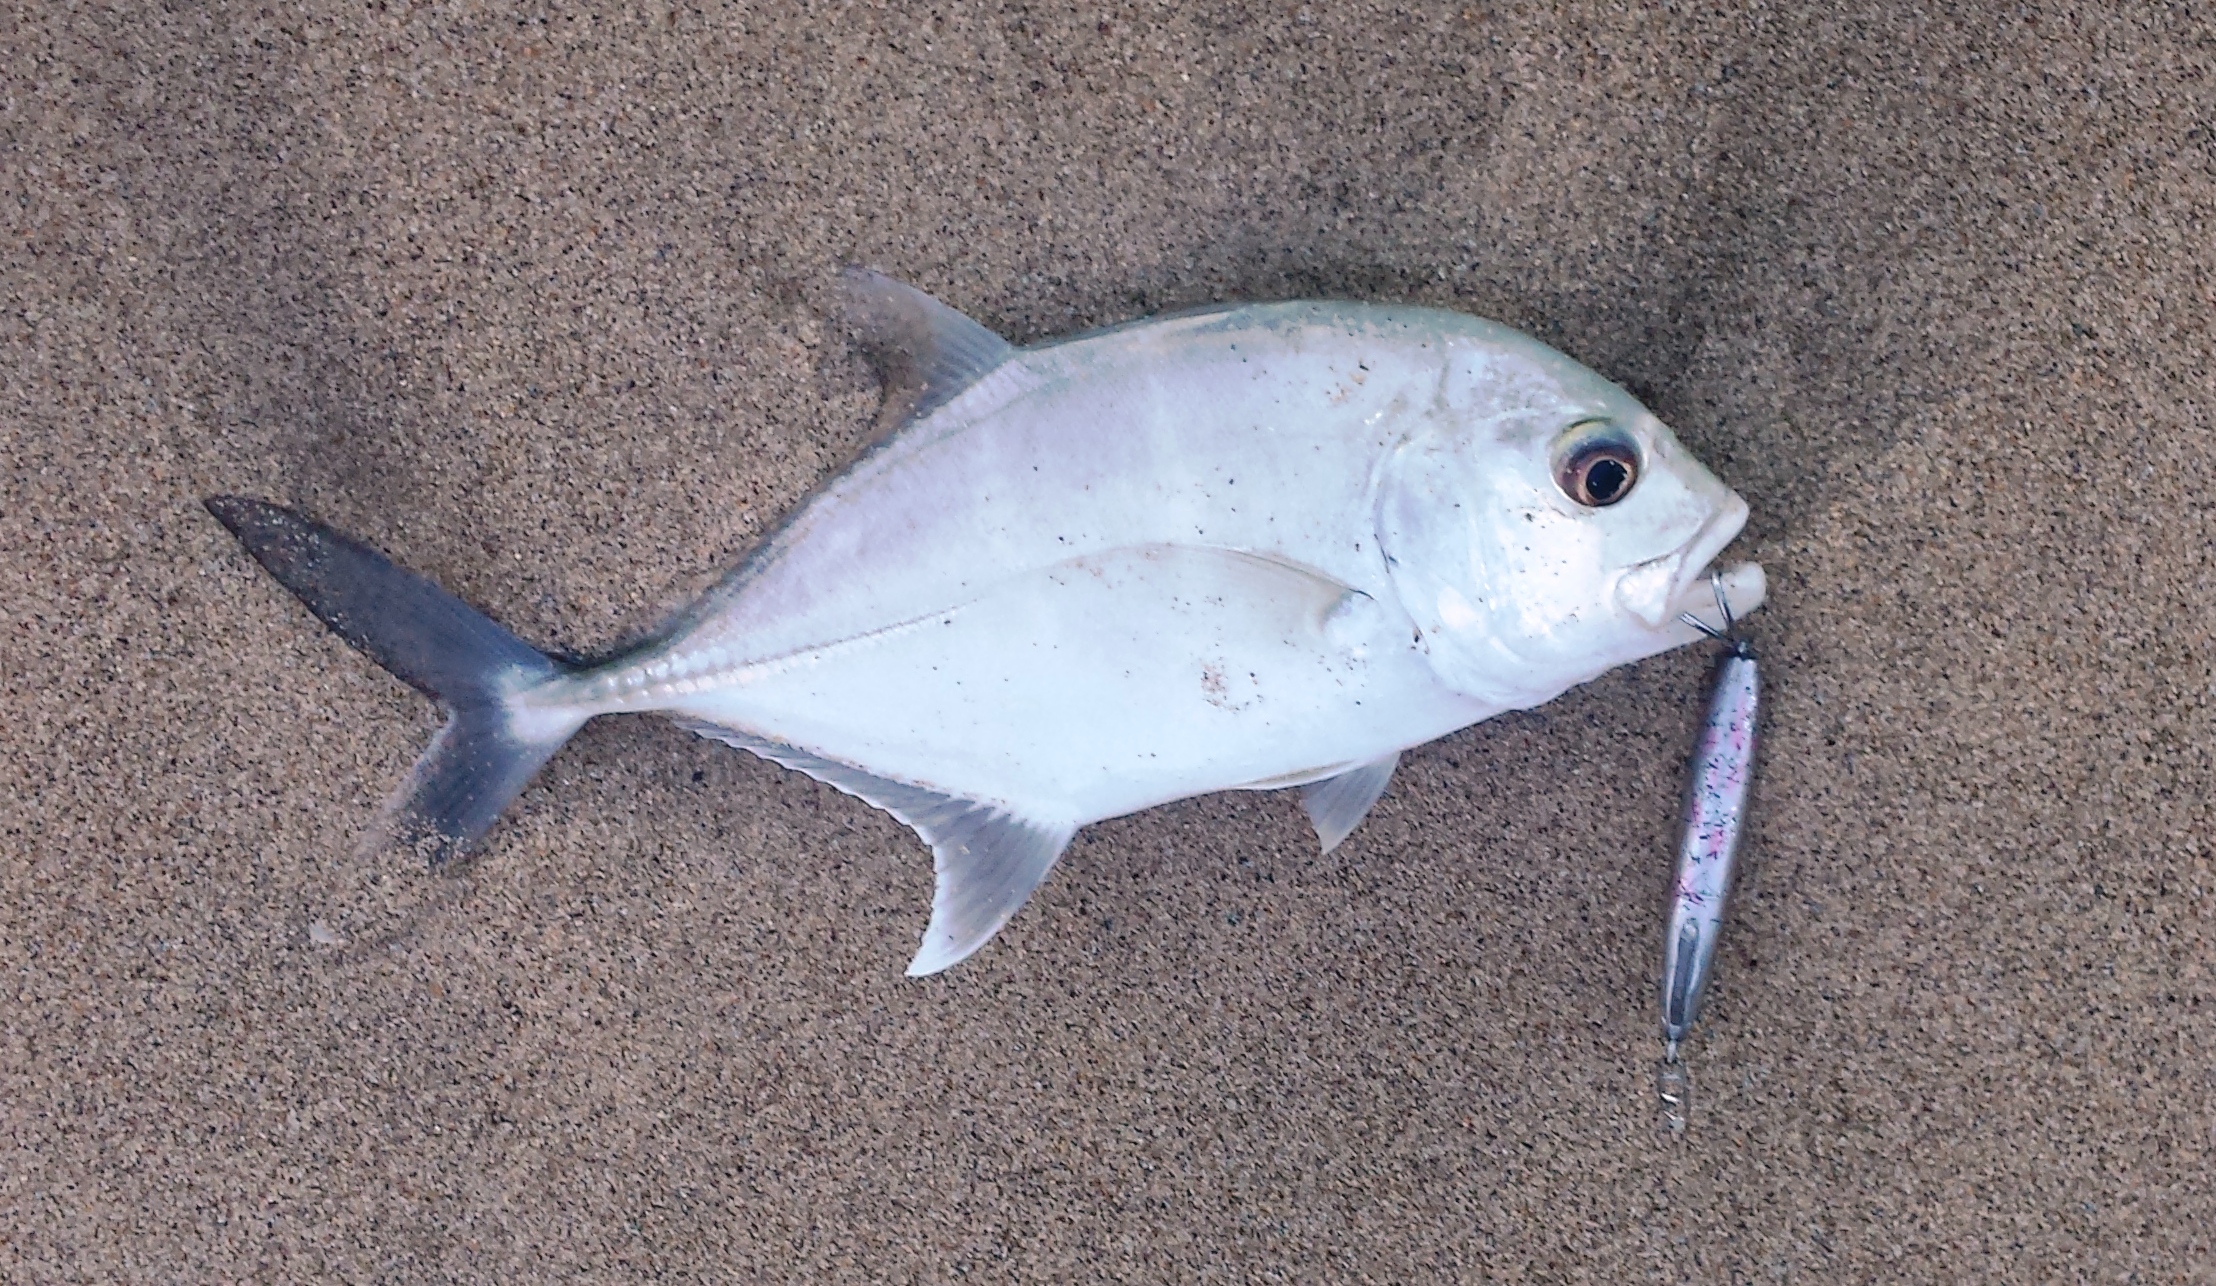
{"x":539,"y":300}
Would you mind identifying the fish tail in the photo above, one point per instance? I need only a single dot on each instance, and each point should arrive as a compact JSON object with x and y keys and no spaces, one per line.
{"x":492,"y":743}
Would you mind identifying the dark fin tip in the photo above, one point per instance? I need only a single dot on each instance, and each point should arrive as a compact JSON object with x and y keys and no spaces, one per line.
{"x":430,"y":640}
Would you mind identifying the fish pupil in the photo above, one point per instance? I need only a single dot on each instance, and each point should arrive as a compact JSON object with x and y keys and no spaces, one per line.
{"x":1605,"y":479}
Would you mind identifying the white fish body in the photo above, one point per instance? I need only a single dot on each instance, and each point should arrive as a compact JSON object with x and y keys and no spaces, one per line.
{"x":1262,"y":546}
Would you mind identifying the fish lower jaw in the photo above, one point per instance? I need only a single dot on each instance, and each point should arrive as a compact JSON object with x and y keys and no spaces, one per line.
{"x":1745,"y":588}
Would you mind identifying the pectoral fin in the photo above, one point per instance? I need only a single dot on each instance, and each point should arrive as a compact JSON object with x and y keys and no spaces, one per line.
{"x":1338,"y":804}
{"x":988,"y":859}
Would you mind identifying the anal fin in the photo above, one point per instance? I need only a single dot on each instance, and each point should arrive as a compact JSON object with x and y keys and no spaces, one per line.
{"x":987,"y":862}
{"x":987,"y":859}
{"x":1338,"y":804}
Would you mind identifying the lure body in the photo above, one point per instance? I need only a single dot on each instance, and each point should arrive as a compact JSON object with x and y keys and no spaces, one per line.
{"x":1715,"y":819}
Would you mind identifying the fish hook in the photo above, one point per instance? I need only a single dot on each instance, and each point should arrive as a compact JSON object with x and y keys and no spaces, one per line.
{"x":1729,"y":635}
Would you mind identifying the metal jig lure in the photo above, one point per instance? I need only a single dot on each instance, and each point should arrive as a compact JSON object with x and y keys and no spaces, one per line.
{"x":1722,"y":770}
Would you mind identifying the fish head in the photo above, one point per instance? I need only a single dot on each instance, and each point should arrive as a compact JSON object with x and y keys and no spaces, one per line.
{"x":1544,"y":528}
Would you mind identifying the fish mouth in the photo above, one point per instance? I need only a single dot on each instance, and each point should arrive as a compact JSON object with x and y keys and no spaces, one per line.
{"x":1744,"y":588}
{"x":1686,"y":581}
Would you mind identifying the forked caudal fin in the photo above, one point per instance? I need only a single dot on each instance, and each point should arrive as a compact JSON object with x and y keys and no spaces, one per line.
{"x":438,"y":645}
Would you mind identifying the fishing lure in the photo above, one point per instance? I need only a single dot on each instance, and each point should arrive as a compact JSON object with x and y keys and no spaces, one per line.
{"x":1715,"y":819}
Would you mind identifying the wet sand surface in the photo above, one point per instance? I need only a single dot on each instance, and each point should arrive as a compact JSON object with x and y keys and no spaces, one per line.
{"x":542,"y":304}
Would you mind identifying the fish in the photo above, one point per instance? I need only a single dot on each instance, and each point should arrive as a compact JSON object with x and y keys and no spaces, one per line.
{"x":1257,"y":546}
{"x":1719,"y":782}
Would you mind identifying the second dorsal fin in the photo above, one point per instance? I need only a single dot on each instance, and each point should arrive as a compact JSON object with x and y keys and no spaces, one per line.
{"x":925,"y":352}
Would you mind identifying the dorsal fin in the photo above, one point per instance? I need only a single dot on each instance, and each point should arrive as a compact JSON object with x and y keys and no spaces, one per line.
{"x":1338,"y":804}
{"x":988,"y":860}
{"x":925,"y":352}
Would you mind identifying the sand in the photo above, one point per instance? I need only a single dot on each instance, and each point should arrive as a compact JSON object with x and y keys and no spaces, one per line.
{"x":541,"y":303}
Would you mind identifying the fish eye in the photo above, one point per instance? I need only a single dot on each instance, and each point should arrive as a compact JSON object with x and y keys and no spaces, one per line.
{"x":1598,"y":466}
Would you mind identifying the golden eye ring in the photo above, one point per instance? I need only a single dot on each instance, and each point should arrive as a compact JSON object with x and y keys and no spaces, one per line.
{"x":1598,"y":468}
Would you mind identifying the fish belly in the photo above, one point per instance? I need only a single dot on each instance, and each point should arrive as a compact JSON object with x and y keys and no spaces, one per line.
{"x":1106,"y":684}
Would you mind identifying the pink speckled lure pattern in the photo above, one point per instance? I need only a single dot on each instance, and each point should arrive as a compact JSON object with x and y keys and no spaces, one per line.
{"x":1715,"y":817}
